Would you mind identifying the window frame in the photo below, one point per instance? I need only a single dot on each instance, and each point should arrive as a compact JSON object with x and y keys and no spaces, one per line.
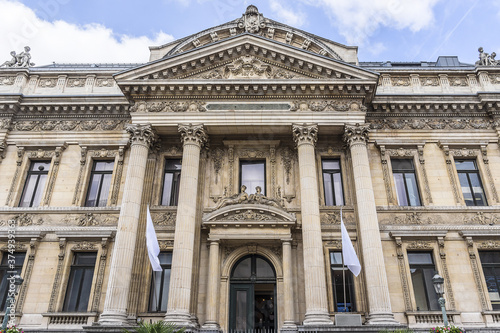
{"x":240,"y":174}
{"x":467,"y":172}
{"x":494,"y":306}
{"x":401,"y":171}
{"x":91,"y":177}
{"x":69,"y":279}
{"x":5,"y":267}
{"x":322,"y":170}
{"x":175,"y":187}
{"x":430,"y":306}
{"x":350,"y":285}
{"x":160,"y":292}
{"x":38,"y":173}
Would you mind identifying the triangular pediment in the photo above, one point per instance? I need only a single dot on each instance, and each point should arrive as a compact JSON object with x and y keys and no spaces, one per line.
{"x":247,"y":57}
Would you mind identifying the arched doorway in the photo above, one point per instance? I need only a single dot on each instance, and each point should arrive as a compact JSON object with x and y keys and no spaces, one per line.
{"x":252,"y":305}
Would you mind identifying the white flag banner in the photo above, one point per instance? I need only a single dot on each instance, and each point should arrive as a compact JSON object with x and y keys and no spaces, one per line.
{"x":348,"y":253}
{"x":152,"y":244}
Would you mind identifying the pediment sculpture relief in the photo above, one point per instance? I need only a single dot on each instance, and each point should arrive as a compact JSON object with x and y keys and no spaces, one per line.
{"x":244,"y":198}
{"x":249,"y":67}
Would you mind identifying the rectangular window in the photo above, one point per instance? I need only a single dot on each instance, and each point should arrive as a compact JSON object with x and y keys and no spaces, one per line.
{"x":35,"y":183}
{"x":490,"y":260}
{"x":159,"y":284}
{"x":253,"y":174}
{"x":332,"y":183}
{"x":472,"y":188}
{"x":338,"y":271}
{"x":100,"y":182}
{"x":80,"y":282}
{"x":406,"y":182}
{"x":15,"y":259}
{"x":422,"y":270}
{"x":171,"y":182}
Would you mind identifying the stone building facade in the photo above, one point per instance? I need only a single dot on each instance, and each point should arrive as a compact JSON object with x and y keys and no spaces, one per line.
{"x":409,"y":151}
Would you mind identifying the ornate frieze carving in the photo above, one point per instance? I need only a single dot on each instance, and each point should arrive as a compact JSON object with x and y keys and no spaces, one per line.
{"x":244,"y":198}
{"x":84,"y":246}
{"x":400,"y":81}
{"x":143,"y":134}
{"x":327,"y":105}
{"x":248,"y":215}
{"x":7,"y":80}
{"x":334,"y":244}
{"x":488,"y":245}
{"x":193,"y":134}
{"x":5,"y":123}
{"x":432,"y":123}
{"x":419,"y":244}
{"x":413,"y":218}
{"x":331,"y":218}
{"x":89,"y":219}
{"x":69,"y":125}
{"x":458,"y":81}
{"x":429,"y":81}
{"x":481,"y":218}
{"x":166,"y":219}
{"x":75,"y":83}
{"x":305,"y":133}
{"x":47,"y":83}
{"x":166,"y":244}
{"x":168,"y":106}
{"x":105,"y":82}
{"x":252,"y":153}
{"x":25,"y":220}
{"x":356,"y":134}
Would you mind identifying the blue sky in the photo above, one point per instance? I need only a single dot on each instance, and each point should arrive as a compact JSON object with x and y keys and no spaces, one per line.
{"x":121,"y":30}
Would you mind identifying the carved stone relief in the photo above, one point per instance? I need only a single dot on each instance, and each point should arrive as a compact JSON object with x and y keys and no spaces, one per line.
{"x":334,"y":244}
{"x":488,"y":245}
{"x":217,"y":155}
{"x":250,"y":215}
{"x":287,"y":157}
{"x":413,"y":218}
{"x":76,"y":83}
{"x":166,"y":219}
{"x":458,"y":81}
{"x":432,"y":123}
{"x":100,"y":276}
{"x":57,"y":279}
{"x":252,"y":21}
{"x":400,"y":81}
{"x":89,"y":219}
{"x":105,"y":82}
{"x":476,"y":273}
{"x":419,"y":245}
{"x":7,"y":80}
{"x":429,"y":81}
{"x":330,"y":218}
{"x":70,"y":125}
{"x":84,"y":246}
{"x":481,"y":218}
{"x":166,"y":244}
{"x":168,"y":106}
{"x":403,"y":274}
{"x":327,"y":105}
{"x":47,"y":83}
{"x":449,"y":290}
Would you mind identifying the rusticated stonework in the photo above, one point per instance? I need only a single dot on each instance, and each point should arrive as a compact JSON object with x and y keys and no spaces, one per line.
{"x":305,"y":133}
{"x":142,"y":134}
{"x":193,"y":134}
{"x":356,"y":134}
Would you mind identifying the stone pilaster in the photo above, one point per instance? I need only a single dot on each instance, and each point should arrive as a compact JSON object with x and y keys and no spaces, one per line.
{"x":213,"y":287}
{"x":305,"y":136}
{"x":289,"y":322}
{"x":194,"y":138}
{"x":379,"y":304}
{"x":142,"y":137}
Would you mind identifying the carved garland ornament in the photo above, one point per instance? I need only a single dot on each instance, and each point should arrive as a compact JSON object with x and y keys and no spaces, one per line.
{"x":305,"y":134}
{"x":403,"y":273}
{"x":432,"y":123}
{"x":328,"y":105}
{"x":69,"y":125}
{"x":168,"y":106}
{"x":477,"y":275}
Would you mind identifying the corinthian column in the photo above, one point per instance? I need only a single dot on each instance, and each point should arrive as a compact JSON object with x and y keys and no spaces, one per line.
{"x":377,"y":288}
{"x":115,"y":306}
{"x":305,"y":137}
{"x":194,"y":138}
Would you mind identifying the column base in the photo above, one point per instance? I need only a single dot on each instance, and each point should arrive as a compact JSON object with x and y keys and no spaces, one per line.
{"x":289,"y":326}
{"x":210,"y":327}
{"x":317,"y":318}
{"x":382,"y":319}
{"x":180,"y":319}
{"x":111,"y":318}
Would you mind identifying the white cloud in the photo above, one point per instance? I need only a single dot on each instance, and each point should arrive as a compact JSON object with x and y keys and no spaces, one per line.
{"x":359,"y":19}
{"x":285,"y":15}
{"x":61,"y":41}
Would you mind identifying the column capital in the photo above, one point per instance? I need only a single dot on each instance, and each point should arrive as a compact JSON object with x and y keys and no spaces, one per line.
{"x":355,"y":134}
{"x":193,"y":134}
{"x":142,"y":134}
{"x":305,"y":133}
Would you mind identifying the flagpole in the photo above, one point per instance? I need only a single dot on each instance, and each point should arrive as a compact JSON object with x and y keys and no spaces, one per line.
{"x":343,"y":268}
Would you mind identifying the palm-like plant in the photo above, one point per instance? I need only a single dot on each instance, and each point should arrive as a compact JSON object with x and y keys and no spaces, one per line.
{"x":158,"y":327}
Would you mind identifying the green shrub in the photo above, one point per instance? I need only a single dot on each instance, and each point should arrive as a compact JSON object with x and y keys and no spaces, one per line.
{"x":158,"y":327}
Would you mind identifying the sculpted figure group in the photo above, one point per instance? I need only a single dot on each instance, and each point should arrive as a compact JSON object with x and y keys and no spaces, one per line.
{"x":22,"y":59}
{"x":244,"y":198}
{"x":486,"y":59}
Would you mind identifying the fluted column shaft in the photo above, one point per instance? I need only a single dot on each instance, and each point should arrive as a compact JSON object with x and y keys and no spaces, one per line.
{"x":115,"y":305}
{"x":193,"y":138}
{"x":213,"y":286}
{"x":305,"y":137}
{"x":377,"y":288}
{"x":289,"y":322}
